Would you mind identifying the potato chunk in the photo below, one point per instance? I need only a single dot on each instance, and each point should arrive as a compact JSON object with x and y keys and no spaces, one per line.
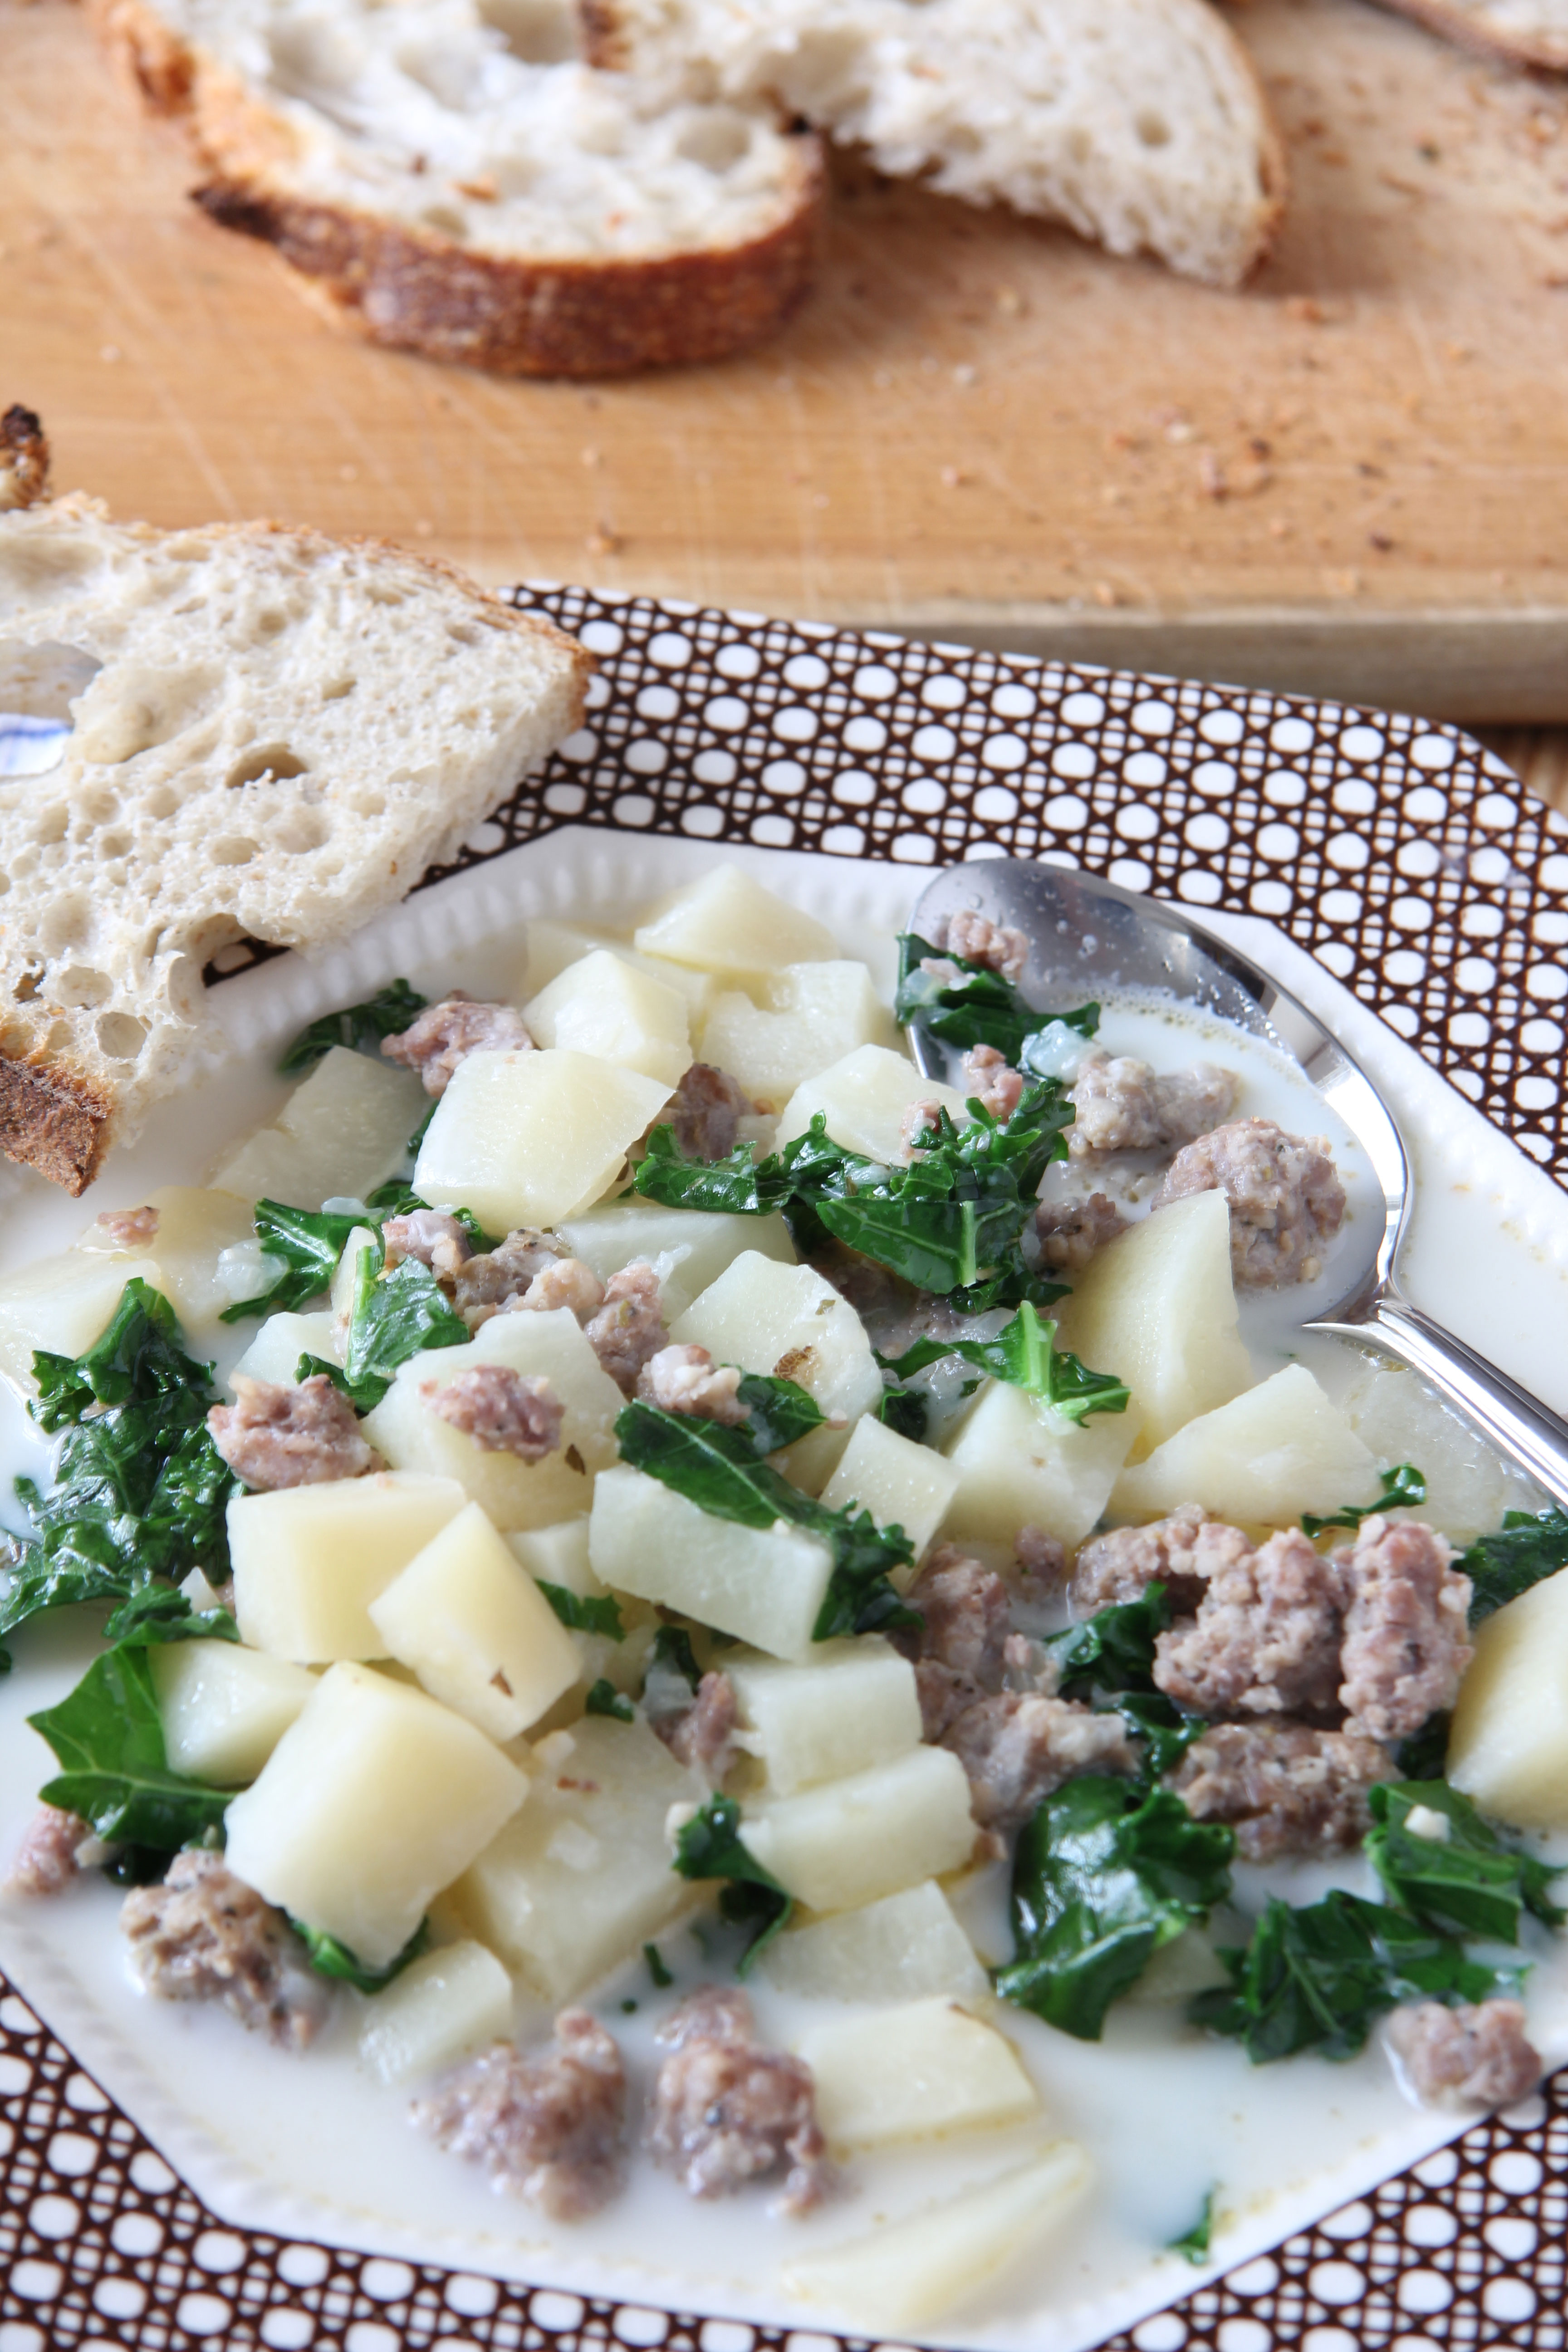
{"x":274,"y":1354}
{"x":1018,"y":1462}
{"x":865,"y":1097}
{"x":582,"y":1878}
{"x":847,"y":1842}
{"x":61,"y":1305}
{"x":764,"y":1585}
{"x":1508,"y":1747}
{"x":1156,"y":1307}
{"x":343,"y":1130}
{"x":224,"y":1708}
{"x":443,"y":2005}
{"x":1271,"y":1454}
{"x":529,"y":1138}
{"x":373,"y":1800}
{"x":812,"y":1014}
{"x":909,"y":1945}
{"x":603,"y":1006}
{"x":193,"y":1226}
{"x":910,"y":2273}
{"x":787,"y":1320}
{"x":309,"y":1560}
{"x":854,"y":1704}
{"x":899,"y":1483}
{"x":727,"y":923}
{"x":552,"y":947}
{"x":467,"y":1616}
{"x":912,"y":2072}
{"x":689,"y":1249}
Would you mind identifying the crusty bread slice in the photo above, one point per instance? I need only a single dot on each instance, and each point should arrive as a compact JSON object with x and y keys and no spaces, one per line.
{"x":274,"y":734}
{"x":1525,"y":32}
{"x":1139,"y":122}
{"x":448,"y":177}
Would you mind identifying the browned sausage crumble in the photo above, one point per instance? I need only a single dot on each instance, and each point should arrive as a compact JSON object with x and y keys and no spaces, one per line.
{"x":274,"y":1436}
{"x":502,"y":1411}
{"x":446,"y":1033}
{"x":727,"y":2111}
{"x":1285,"y":1197}
{"x":204,"y":1935}
{"x":550,"y":2126}
{"x":46,"y":1858}
{"x":1465,"y":2056}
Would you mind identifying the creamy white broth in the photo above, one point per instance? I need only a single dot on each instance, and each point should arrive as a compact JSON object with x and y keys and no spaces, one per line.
{"x":1166,"y":2113}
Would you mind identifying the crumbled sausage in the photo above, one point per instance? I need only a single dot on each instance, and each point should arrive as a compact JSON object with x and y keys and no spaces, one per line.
{"x":726,"y":2111}
{"x":1286,"y":1199}
{"x":46,"y":1859}
{"x":446,"y":1033}
{"x":629,"y":1327}
{"x":978,"y":940}
{"x":700,"y":1730}
{"x":204,"y":1935}
{"x":132,"y":1228}
{"x":687,"y":1380}
{"x":1069,"y":1232}
{"x":1121,"y":1105}
{"x":1181,"y":1552}
{"x":1465,"y":2056}
{"x":1286,"y":1787}
{"x":958,"y":1650}
{"x":484,"y":1285}
{"x":502,"y":1411}
{"x":1042,"y":1557}
{"x":1266,"y":1638}
{"x":274,"y":1436}
{"x":436,"y":1239}
{"x":706,"y":1112}
{"x":566,"y":1282}
{"x":1017,"y":1746}
{"x":1405,"y":1640}
{"x":991,"y":1079}
{"x":549,"y":2125}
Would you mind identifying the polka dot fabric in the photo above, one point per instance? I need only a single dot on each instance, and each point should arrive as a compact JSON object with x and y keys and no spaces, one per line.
{"x":1405,"y":857}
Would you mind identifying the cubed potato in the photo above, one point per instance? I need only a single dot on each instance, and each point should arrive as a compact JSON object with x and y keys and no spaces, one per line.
{"x":529,"y":1138}
{"x":514,"y":1494}
{"x":1468,"y":1487}
{"x":343,"y":1131}
{"x":1018,"y":1462}
{"x":689,"y":1249}
{"x":1271,"y":1454}
{"x":309,"y":1560}
{"x":1508,"y":1747}
{"x":848,"y":1842}
{"x":727,"y":923}
{"x":61,"y":1305}
{"x":582,"y":1879}
{"x":274,"y":1354}
{"x":193,"y":1226}
{"x":913,"y":2272}
{"x":551,"y":947}
{"x":899,"y":1483}
{"x":443,"y":2005}
{"x":854,"y":1704}
{"x":866,"y":1096}
{"x":912,"y":2072}
{"x":906,"y":1946}
{"x":1156,"y":1307}
{"x":374,"y":1799}
{"x":606,"y":1007}
{"x":224,"y":1708}
{"x":558,"y":1555}
{"x":812,"y":1015}
{"x":789,"y":1321}
{"x":764,"y":1585}
{"x":467,"y":1616}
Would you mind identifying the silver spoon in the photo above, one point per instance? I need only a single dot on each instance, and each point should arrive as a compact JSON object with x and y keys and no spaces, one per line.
{"x":1086,"y":937}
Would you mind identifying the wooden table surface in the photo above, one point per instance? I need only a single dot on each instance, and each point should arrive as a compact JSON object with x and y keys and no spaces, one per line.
{"x":1351,"y":479}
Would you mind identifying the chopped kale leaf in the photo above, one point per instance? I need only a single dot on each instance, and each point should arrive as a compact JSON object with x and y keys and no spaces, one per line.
{"x":1467,"y":1883}
{"x":1114,"y":1649}
{"x":711,"y":1845}
{"x":361,"y":1027}
{"x":329,"y":1958}
{"x":1192,"y":2244}
{"x":582,"y":1614}
{"x":1402,"y":1488}
{"x":604,"y":1698}
{"x":1022,"y":1354}
{"x":969,"y":1005}
{"x":1524,"y":1551}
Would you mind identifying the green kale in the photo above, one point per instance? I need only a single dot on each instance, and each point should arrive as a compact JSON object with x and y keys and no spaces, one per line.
{"x":584,"y":1614}
{"x":1114,"y":1649}
{"x":976,"y":1007}
{"x":1192,"y":2244}
{"x":673,"y":1652}
{"x":657,"y":1969}
{"x":1166,"y":1731}
{"x":1467,"y":1883}
{"x":108,"y":1736}
{"x":906,"y":1412}
{"x":1022,"y":1354}
{"x":710,"y":1847}
{"x":359,"y":1027}
{"x":778,"y":1412}
{"x":1423,"y":1756}
{"x":331,"y":1958}
{"x":1106,"y":1873}
{"x":395,"y":1316}
{"x":604,"y":1698}
{"x":736,"y":1184}
{"x":1402,"y":1488}
{"x":1320,"y":1978}
{"x":308,"y":1242}
{"x":1526,"y":1549}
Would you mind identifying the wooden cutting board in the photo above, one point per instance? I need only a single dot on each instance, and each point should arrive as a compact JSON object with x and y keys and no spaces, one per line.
{"x":1351,"y":479}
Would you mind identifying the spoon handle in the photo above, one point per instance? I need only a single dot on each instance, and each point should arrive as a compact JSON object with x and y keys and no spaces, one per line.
{"x":1517,"y":1423}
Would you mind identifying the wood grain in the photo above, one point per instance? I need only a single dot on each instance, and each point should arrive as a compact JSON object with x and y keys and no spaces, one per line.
{"x":1352,"y":480}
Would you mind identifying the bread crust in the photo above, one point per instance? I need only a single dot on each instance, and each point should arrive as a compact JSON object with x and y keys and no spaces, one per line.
{"x":24,"y":459}
{"x":53,"y":1119}
{"x":414,"y":289}
{"x":1457,"y":23}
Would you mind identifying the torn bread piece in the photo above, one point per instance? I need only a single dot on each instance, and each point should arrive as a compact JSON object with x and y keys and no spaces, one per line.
{"x":271,"y":734}
{"x":448,"y":177}
{"x":1140,"y":123}
{"x":1523,"y":32}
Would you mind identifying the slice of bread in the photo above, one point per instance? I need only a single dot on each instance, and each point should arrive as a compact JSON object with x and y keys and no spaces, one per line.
{"x":448,"y":177}
{"x":1525,"y":32}
{"x":274,"y":735}
{"x":1140,"y":123}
